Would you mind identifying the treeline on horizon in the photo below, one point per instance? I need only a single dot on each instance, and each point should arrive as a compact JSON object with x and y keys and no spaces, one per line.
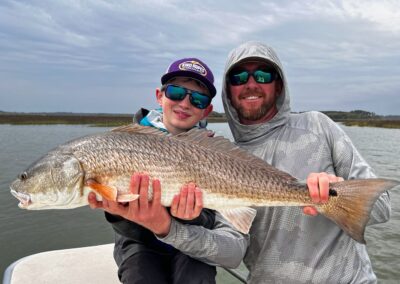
{"x":355,"y":117}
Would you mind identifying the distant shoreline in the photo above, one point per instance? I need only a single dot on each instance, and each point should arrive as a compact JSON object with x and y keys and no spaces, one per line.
{"x":372,"y":123}
{"x":95,"y":120}
{"x":114,"y":120}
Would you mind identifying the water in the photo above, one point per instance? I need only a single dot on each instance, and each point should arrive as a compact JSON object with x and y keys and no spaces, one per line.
{"x":25,"y":232}
{"x":380,"y":147}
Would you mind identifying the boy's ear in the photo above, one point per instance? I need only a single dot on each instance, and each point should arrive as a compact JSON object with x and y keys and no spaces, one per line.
{"x":159,"y":96}
{"x":207,"y":111}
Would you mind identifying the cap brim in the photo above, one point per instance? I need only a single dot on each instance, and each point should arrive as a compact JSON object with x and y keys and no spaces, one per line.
{"x":202,"y":79}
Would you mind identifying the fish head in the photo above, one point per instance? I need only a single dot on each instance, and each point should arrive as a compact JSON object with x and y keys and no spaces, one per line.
{"x":53,"y":182}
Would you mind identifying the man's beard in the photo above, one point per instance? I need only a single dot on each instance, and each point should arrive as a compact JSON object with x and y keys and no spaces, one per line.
{"x":253,"y":114}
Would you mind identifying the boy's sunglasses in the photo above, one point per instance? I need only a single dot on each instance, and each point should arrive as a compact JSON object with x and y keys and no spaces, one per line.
{"x":261,"y":76}
{"x":178,"y":93}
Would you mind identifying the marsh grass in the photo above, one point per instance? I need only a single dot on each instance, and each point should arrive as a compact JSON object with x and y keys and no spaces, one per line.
{"x":96,"y":120}
{"x":373,"y":123}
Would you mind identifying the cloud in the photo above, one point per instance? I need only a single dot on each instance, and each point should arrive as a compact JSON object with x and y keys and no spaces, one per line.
{"x":109,"y":55}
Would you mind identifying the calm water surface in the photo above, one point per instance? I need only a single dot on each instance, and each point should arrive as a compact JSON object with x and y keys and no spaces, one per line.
{"x":25,"y":232}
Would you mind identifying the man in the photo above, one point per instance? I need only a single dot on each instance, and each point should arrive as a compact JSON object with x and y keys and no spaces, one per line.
{"x":185,"y":99}
{"x":287,"y":246}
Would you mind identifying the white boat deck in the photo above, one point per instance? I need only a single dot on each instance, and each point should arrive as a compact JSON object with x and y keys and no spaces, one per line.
{"x":80,"y":265}
{"x":94,"y":264}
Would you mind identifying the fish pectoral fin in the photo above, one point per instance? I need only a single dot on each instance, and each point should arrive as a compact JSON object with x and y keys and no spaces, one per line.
{"x":241,"y":218}
{"x":127,"y":197}
{"x":107,"y":192}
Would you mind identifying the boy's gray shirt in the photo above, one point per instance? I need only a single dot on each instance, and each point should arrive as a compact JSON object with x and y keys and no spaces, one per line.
{"x":221,"y":246}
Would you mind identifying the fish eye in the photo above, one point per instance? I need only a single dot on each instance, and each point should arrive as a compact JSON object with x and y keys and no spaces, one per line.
{"x":23,"y":176}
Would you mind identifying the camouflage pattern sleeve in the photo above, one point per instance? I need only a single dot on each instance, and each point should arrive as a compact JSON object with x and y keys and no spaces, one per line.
{"x":349,"y":164}
{"x":221,"y":246}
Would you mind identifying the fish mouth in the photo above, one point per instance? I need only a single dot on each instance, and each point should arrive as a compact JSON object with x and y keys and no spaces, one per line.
{"x":24,"y":199}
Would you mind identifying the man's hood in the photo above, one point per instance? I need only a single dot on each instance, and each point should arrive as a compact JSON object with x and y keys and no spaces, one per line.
{"x":245,"y":133}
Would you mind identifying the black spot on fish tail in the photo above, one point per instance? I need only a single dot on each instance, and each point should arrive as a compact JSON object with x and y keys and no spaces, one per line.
{"x":351,"y":208}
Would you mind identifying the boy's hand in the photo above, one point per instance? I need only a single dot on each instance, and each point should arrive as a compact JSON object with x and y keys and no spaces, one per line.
{"x":187,"y":205}
{"x":318,"y":186}
{"x":150,"y":214}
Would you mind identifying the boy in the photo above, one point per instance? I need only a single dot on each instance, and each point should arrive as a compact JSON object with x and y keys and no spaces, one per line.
{"x":185,"y":99}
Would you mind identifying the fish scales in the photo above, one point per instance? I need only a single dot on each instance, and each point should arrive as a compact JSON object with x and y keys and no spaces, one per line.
{"x":169,"y":159}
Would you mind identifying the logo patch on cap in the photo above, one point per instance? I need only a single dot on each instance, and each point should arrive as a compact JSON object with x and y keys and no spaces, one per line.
{"x":193,"y":66}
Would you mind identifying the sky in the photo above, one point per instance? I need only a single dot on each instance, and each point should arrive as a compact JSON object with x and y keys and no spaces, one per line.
{"x":108,"y":56}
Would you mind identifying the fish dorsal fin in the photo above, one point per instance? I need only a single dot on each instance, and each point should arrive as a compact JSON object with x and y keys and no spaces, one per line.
{"x":199,"y":137}
{"x":221,"y":144}
{"x":224,"y":146}
{"x":135,"y":128}
{"x":241,"y":218}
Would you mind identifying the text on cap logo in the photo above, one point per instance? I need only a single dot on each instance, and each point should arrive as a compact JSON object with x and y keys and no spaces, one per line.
{"x":193,"y":66}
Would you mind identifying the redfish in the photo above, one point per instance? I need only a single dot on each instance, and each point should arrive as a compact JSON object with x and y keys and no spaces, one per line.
{"x":231,"y":179}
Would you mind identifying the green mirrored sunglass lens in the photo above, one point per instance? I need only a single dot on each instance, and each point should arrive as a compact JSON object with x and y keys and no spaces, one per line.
{"x":262,"y":76}
{"x":242,"y":77}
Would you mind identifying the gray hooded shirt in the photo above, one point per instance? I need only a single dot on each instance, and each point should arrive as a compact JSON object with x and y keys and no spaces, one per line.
{"x":287,"y":246}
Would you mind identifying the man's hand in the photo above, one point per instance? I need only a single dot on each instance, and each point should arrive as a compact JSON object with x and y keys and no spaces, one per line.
{"x":150,"y":214}
{"x":318,"y":186}
{"x":187,"y":205}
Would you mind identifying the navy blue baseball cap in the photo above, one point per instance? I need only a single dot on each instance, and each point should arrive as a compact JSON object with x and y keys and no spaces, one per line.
{"x":191,"y":68}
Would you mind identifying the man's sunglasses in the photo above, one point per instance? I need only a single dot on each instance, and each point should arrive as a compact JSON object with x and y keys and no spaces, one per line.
{"x":178,"y":93}
{"x":261,"y":76}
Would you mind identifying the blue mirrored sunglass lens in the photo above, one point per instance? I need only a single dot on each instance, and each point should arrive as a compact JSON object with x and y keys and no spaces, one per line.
{"x":175,"y":92}
{"x":199,"y":100}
